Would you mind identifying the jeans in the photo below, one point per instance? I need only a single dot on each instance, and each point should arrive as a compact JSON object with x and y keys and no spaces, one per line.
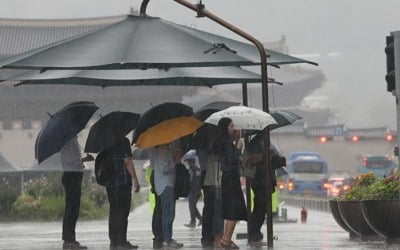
{"x":72,"y":182}
{"x":156,"y":223}
{"x":168,"y":212}
{"x":120,"y":206}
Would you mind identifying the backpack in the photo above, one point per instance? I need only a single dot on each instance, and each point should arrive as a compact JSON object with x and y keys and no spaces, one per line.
{"x":104,"y":168}
{"x":182,"y":181}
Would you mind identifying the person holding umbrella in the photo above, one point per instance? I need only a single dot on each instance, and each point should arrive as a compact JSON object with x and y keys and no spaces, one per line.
{"x":228,"y":150}
{"x":59,"y":134}
{"x":119,"y":194}
{"x":108,"y":136}
{"x":258,"y":185}
{"x":73,"y":165}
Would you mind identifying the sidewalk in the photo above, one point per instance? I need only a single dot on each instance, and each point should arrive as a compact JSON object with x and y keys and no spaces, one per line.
{"x":320,"y":232}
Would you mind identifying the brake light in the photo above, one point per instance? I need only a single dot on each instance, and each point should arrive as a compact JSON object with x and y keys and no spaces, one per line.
{"x":281,"y":185}
{"x":355,"y":138}
{"x":335,"y":190}
{"x":389,"y":137}
{"x":364,"y":161}
{"x":327,"y":185}
{"x":290,"y":184}
{"x":323,"y":139}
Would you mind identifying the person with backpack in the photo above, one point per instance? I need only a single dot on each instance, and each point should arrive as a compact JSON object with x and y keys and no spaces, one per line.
{"x":119,"y":195}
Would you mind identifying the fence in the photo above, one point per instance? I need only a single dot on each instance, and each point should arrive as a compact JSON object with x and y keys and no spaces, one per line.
{"x":312,"y":203}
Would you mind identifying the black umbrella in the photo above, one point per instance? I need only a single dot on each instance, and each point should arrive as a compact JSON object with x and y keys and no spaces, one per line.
{"x":204,"y":137}
{"x":204,"y":112}
{"x":160,"y":113}
{"x":109,"y":130}
{"x":62,"y":127}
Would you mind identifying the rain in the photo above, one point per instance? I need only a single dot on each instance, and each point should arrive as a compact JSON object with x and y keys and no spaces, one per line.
{"x":328,"y":105}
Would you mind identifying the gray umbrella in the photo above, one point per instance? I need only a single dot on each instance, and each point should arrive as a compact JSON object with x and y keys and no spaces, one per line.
{"x":202,"y":76}
{"x":143,"y":42}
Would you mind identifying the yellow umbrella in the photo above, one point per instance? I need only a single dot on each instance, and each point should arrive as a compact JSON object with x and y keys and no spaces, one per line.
{"x":168,"y":131}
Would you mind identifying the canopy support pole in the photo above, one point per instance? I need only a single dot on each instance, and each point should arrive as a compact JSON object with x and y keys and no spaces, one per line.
{"x":248,"y":180}
{"x":202,"y":12}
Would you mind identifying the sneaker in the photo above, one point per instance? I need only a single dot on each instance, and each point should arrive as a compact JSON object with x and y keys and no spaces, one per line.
{"x":157,"y":244}
{"x":73,"y":245}
{"x":258,"y":244}
{"x":173,"y":244}
{"x":200,"y":223}
{"x":190,"y":225}
{"x":128,"y":245}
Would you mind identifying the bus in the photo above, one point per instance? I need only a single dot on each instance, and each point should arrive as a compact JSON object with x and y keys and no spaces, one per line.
{"x":308,"y":174}
{"x":381,"y":166}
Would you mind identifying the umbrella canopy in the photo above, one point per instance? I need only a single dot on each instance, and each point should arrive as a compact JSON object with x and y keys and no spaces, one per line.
{"x":283,"y":118}
{"x":168,"y":131}
{"x":243,"y":118}
{"x":204,"y":112}
{"x":143,"y":42}
{"x":204,"y":137}
{"x":109,"y":130}
{"x":160,"y":113}
{"x":203,"y":76}
{"x":62,"y":127}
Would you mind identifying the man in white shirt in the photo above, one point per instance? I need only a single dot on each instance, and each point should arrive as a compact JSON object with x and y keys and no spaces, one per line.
{"x":72,"y":163}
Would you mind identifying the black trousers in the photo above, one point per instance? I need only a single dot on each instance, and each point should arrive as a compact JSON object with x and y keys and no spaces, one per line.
{"x":208,"y":214}
{"x":193,"y":198}
{"x":257,"y":217}
{"x":156,"y":223}
{"x":72,"y":182}
{"x":120,"y":206}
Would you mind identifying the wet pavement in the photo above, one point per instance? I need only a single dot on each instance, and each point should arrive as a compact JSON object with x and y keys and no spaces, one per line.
{"x":320,"y":232}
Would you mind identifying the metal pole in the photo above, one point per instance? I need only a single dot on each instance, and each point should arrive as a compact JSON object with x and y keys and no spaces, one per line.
{"x":264,"y":76}
{"x":396,"y":43}
{"x":248,"y":180}
{"x":201,"y":12}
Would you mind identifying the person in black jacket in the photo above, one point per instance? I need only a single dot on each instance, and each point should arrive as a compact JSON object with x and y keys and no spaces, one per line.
{"x":228,"y":150}
{"x":258,"y":185}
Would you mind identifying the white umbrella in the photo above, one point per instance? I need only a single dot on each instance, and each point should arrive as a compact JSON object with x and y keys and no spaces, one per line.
{"x":244,"y":118}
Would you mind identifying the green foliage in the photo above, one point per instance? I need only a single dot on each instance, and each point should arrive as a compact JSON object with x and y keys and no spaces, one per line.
{"x":8,"y":195}
{"x":367,"y":187}
{"x":386,"y":189}
{"x":359,"y":190}
{"x":43,"y":199}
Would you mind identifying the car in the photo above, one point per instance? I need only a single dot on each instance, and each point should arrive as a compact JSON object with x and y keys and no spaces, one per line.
{"x":338,"y":183}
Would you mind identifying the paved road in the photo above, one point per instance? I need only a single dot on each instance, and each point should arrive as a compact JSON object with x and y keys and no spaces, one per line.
{"x":321,"y":232}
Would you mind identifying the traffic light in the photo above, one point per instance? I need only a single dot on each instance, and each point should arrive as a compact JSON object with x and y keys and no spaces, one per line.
{"x":390,"y":64}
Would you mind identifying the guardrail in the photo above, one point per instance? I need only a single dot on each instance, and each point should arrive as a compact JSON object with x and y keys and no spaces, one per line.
{"x":311,"y":203}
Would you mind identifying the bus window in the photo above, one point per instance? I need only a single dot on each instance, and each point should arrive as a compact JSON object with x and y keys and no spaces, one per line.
{"x":303,"y":167}
{"x":381,"y":163}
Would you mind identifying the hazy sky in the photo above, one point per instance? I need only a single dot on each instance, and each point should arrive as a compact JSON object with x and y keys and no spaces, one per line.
{"x":347,"y":38}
